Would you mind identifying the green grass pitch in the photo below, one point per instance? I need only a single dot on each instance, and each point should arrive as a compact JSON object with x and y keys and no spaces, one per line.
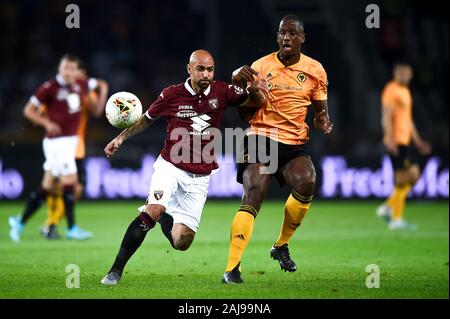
{"x":332,"y":248}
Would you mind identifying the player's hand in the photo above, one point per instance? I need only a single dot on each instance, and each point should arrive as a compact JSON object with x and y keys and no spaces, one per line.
{"x":322,"y":122}
{"x":113,"y":146}
{"x":243,"y":75}
{"x":391,"y":147}
{"x":52,"y":129}
{"x":423,"y":147}
{"x":258,"y":85}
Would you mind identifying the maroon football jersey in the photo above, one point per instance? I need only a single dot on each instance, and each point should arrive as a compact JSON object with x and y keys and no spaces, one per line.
{"x":63,"y":103}
{"x":190,"y":119}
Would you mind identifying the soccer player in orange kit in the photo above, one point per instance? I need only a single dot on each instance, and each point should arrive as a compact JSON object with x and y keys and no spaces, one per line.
{"x":399,"y":131}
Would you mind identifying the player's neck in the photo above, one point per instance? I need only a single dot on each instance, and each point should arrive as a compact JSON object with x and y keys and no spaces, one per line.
{"x":196,"y":88}
{"x":289,"y":60}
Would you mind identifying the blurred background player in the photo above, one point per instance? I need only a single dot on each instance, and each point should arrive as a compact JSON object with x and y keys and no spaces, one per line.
{"x":399,"y":131}
{"x":62,"y":96}
{"x":93,"y":105}
{"x":296,"y":82}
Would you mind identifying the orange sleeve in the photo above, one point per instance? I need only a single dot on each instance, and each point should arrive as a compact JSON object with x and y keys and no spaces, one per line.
{"x":320,"y":91}
{"x":387,"y":97}
{"x":257,"y":66}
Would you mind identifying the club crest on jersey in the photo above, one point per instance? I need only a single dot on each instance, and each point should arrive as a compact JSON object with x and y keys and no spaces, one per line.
{"x":158,"y":194}
{"x":302,"y":77}
{"x":213,"y":103}
{"x":238,"y":90}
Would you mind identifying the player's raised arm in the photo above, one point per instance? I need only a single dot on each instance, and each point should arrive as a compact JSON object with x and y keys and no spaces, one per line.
{"x":257,"y":93}
{"x":98,"y":102}
{"x":321,"y":117}
{"x":243,"y":75}
{"x":32,"y":113}
{"x":143,"y":123}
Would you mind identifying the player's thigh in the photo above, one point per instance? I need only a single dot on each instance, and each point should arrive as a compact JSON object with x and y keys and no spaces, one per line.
{"x":48,"y":181}
{"x":163,"y":183}
{"x":256,"y":183}
{"x":69,"y":180}
{"x":186,"y":206}
{"x":300,"y":174}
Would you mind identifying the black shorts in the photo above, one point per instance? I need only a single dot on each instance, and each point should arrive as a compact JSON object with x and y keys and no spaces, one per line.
{"x":256,"y":149}
{"x":404,"y":159}
{"x":81,"y":171}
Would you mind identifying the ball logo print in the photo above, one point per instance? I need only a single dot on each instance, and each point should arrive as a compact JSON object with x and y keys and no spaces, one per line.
{"x":123,"y":109}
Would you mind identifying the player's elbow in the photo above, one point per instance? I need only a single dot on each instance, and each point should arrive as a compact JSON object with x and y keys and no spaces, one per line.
{"x":28,"y":111}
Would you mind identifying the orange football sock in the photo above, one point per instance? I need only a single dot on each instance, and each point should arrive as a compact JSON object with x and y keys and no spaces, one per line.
{"x":295,"y":210}
{"x":241,"y":232}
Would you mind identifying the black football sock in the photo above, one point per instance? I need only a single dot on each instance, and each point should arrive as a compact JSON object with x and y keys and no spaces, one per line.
{"x":166,"y":222}
{"x":133,"y":238}
{"x":34,"y":202}
{"x":69,"y":200}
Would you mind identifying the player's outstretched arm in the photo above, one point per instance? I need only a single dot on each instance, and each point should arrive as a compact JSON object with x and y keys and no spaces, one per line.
{"x":243,"y":75}
{"x":31,"y":112}
{"x":140,"y":126}
{"x":258,"y":92}
{"x":97,"y":98}
{"x":321,"y":118}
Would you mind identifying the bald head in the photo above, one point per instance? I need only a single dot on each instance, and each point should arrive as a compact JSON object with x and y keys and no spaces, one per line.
{"x":201,"y":57}
{"x":201,"y":70}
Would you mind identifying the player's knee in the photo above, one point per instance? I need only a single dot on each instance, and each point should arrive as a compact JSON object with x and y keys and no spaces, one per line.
{"x":154,"y":211}
{"x":183,"y":241}
{"x":305,"y":183}
{"x":253,"y":196}
{"x":402,"y":179}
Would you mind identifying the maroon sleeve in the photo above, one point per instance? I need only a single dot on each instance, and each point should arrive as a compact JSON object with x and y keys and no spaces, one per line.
{"x":160,"y":107}
{"x":236,"y":95}
{"x":42,"y":94}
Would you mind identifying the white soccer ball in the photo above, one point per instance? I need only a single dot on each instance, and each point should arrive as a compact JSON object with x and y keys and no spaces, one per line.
{"x":123,"y":109}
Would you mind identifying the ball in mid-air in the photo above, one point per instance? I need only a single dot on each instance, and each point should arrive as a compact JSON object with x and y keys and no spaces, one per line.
{"x":123,"y":109}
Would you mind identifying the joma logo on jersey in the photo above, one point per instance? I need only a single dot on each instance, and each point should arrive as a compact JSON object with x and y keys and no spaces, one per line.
{"x":200,"y":122}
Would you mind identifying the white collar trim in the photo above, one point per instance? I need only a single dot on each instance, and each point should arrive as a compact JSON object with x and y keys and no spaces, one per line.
{"x":191,"y":90}
{"x":60,"y":80}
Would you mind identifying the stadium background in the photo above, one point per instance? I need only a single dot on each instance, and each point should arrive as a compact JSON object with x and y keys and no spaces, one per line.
{"x":142,"y":47}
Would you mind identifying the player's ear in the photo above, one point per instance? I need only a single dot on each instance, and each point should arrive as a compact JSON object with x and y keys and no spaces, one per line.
{"x":188,"y":68}
{"x":303,"y":37}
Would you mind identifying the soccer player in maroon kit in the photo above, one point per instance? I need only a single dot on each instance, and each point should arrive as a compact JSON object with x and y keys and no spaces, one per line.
{"x":178,"y":189}
{"x":62,"y":96}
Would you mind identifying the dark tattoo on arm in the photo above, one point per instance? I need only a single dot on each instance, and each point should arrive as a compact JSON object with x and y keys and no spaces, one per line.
{"x":140,"y":126}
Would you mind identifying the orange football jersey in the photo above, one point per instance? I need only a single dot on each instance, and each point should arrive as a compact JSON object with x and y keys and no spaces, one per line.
{"x":398,"y":98}
{"x":291,"y":90}
{"x":81,"y":147}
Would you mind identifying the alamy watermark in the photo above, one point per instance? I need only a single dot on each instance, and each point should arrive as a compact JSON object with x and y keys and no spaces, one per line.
{"x":202,"y":146}
{"x":73,"y":277}
{"x":373,"y":279}
{"x":73,"y":19}
{"x":373,"y":19}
